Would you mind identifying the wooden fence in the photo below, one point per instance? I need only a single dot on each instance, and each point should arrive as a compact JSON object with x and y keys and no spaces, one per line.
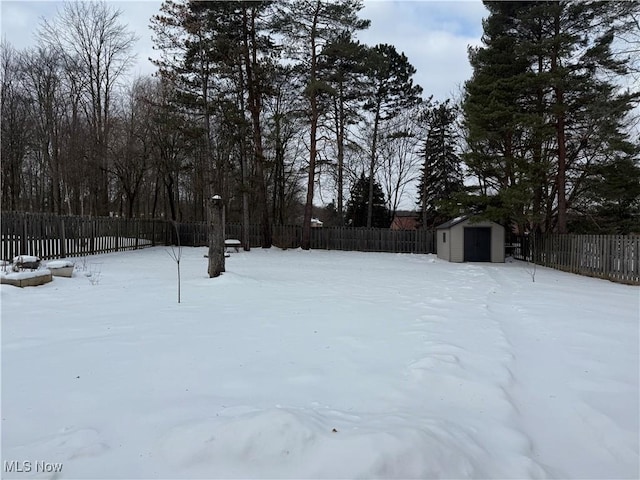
{"x":326,"y":238}
{"x":51,"y":236}
{"x":614,"y":257}
{"x":373,"y":240}
{"x":284,"y":236}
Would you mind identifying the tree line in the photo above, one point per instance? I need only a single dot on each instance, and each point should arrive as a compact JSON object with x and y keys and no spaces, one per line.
{"x":277,"y":107}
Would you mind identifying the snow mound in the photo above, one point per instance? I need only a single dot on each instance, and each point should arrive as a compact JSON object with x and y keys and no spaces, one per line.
{"x":60,"y":264}
{"x":68,"y":444}
{"x":24,"y":275}
{"x":262,"y":438}
{"x":25,"y":259}
{"x":296,"y":443}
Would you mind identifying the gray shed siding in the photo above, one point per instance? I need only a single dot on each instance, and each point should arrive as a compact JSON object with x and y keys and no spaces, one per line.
{"x":451,"y":248}
{"x":443,"y":245}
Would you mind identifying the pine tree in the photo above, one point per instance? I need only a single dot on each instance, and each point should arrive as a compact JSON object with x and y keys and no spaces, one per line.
{"x":308,"y":26}
{"x":611,"y":201}
{"x":217,"y":58}
{"x":189,"y":45}
{"x":497,"y":129}
{"x":390,"y":91}
{"x":357,"y":211}
{"x":441,"y":175}
{"x":344,"y":61}
{"x":543,"y":83}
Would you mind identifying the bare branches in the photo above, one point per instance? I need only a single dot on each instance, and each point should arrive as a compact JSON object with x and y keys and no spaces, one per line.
{"x":176,"y":254}
{"x":97,"y":48}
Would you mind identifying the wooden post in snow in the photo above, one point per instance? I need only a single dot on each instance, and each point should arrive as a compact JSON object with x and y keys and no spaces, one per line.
{"x":216,"y":236}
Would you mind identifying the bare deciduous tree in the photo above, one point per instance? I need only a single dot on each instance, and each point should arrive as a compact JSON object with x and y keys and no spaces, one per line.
{"x":90,"y":37}
{"x":43,"y":83}
{"x":400,"y":157}
{"x":15,"y":126}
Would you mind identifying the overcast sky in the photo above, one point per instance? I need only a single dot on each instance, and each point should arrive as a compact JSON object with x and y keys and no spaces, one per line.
{"x":433,"y":34}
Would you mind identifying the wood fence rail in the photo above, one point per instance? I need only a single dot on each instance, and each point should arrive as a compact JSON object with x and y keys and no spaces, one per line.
{"x":614,"y":257}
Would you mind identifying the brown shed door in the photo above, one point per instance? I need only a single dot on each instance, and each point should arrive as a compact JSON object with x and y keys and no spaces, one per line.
{"x":477,"y":244}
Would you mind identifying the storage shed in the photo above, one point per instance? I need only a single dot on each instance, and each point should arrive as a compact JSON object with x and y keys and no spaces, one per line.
{"x":465,"y":240}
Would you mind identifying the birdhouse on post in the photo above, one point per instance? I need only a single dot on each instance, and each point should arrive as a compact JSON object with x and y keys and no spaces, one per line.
{"x":216,"y":236}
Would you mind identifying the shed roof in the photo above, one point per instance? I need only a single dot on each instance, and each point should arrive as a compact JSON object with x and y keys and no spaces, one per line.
{"x":453,"y":222}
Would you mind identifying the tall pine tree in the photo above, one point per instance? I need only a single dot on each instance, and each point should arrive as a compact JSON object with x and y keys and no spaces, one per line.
{"x":308,"y":26}
{"x":441,"y":176}
{"x":344,"y":61}
{"x":543,"y":107}
{"x":390,"y":90}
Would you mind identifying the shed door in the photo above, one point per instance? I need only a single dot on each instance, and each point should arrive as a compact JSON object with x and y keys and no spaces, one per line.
{"x":477,"y":244}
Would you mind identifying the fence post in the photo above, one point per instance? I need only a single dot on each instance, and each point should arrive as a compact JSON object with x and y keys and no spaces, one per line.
{"x":636,"y":256}
{"x":606,"y":254}
{"x":92,"y":240}
{"x":23,"y":237}
{"x":117,"y":234}
{"x":63,"y":238}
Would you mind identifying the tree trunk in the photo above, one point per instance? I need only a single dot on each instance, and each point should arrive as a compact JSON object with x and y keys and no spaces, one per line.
{"x":560,"y":136}
{"x":246,"y":244}
{"x":340,"y":116}
{"x":216,"y":237}
{"x":308,"y":206}
{"x":313,"y":131}
{"x":255,"y":108}
{"x":372,"y":166}
{"x":562,"y":166}
{"x":244,"y":166}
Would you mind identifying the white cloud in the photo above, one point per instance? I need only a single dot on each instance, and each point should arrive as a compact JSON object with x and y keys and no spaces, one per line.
{"x":20,"y":20}
{"x":137,"y":14}
{"x":433,"y":35}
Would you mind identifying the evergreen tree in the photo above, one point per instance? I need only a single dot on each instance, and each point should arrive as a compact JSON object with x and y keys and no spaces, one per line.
{"x":611,"y":200}
{"x":344,"y":61}
{"x":500,"y":134}
{"x":308,"y":26}
{"x":543,"y":83}
{"x":441,"y":175}
{"x":189,"y":45}
{"x":357,"y":212}
{"x":218,"y":58}
{"x":390,"y":90}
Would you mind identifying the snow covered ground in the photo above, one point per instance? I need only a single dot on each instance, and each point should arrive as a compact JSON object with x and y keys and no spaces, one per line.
{"x":319,"y":365}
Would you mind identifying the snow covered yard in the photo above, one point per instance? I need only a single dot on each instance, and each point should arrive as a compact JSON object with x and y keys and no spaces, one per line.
{"x":320,"y":365}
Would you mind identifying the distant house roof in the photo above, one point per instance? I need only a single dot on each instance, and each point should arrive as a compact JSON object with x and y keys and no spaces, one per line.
{"x":453,"y":222}
{"x":404,"y":221}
